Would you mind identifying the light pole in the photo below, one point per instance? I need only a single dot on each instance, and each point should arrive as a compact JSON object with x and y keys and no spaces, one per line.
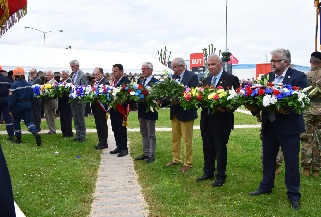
{"x":43,"y":32}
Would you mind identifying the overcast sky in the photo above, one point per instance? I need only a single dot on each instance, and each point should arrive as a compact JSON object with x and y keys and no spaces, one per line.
{"x":254,"y":28}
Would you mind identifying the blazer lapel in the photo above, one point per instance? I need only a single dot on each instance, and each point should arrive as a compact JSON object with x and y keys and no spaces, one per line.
{"x":287,"y":76}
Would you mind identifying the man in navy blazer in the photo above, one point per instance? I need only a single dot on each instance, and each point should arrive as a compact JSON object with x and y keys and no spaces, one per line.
{"x":116,"y":117}
{"x":216,"y":127}
{"x":282,"y":128}
{"x":99,"y":111}
{"x":147,"y":120}
{"x":182,"y":120}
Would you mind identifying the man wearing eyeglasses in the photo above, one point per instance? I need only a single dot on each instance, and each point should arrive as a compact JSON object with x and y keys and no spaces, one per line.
{"x":282,"y":128}
{"x":310,"y":152}
{"x":36,"y":102}
{"x":182,"y":120}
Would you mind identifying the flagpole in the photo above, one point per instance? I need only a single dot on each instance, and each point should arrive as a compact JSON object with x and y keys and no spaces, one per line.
{"x":317,"y":25}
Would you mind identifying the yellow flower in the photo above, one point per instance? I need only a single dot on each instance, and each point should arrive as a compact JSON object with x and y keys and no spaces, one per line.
{"x":211,"y":95}
{"x":47,"y":86}
{"x":220,"y":91}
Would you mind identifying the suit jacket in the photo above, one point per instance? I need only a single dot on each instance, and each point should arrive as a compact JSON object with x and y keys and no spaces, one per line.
{"x":219,"y":122}
{"x":142,"y":106}
{"x":190,"y":79}
{"x":288,"y":124}
{"x":123,"y":80}
{"x":81,"y":78}
{"x":63,"y":102}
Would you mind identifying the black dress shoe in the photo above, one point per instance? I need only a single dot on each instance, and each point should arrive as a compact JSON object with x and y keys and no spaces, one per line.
{"x":100,"y":147}
{"x":76,"y":139}
{"x":123,"y":153}
{"x":258,"y":192}
{"x":142,"y":157}
{"x":295,"y":204}
{"x":150,"y":160}
{"x":204,"y":177}
{"x":218,"y":183}
{"x":116,"y":151}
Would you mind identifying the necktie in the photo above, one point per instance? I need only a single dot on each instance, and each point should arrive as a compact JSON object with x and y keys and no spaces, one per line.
{"x":178,"y":78}
{"x":144,"y":82}
{"x":213,"y":82}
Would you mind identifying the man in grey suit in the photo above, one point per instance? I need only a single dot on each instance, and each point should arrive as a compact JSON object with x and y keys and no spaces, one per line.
{"x":78,"y":107}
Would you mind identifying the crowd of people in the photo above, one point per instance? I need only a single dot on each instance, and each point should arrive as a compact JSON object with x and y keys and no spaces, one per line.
{"x":280,"y":133}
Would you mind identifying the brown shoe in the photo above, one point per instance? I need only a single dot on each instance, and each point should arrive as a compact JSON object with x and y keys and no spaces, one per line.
{"x":172,"y":163}
{"x":305,"y":172}
{"x":315,"y":173}
{"x":185,"y":168}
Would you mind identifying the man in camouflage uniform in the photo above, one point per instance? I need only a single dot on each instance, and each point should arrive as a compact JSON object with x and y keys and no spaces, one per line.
{"x":310,"y":152}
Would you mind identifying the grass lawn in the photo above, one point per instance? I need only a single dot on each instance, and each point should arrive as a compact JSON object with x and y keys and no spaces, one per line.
{"x":171,"y":193}
{"x":56,"y":179}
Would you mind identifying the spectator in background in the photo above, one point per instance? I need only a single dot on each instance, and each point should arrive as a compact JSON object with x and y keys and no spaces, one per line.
{"x":4,"y":92}
{"x":36,"y":102}
{"x":77,"y":106}
{"x":50,"y":105}
{"x":64,"y":108}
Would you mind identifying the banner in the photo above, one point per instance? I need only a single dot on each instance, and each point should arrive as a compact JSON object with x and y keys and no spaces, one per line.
{"x":10,"y":13}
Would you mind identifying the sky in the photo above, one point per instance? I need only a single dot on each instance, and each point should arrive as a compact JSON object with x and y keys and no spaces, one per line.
{"x":254,"y":28}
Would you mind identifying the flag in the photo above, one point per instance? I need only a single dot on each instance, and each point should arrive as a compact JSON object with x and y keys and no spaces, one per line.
{"x":10,"y":13}
{"x":233,"y":60}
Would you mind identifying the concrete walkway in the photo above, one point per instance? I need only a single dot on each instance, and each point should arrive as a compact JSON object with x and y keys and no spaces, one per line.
{"x":117,"y":190}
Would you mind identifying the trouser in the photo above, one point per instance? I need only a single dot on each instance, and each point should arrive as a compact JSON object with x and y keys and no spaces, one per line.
{"x":182,"y":130}
{"x":147,"y":130}
{"x":290,"y":145}
{"x":310,"y":152}
{"x":50,"y":105}
{"x":120,"y":131}
{"x":101,"y":124}
{"x":23,"y":111}
{"x":6,"y":116}
{"x":78,"y":113}
{"x":36,"y":112}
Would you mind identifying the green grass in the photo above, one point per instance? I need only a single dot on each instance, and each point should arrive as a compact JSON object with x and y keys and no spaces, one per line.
{"x":171,"y":193}
{"x":56,"y":179}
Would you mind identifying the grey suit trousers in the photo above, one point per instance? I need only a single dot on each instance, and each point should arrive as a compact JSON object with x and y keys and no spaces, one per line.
{"x":78,"y":113}
{"x":50,"y":106}
{"x":147,"y":130}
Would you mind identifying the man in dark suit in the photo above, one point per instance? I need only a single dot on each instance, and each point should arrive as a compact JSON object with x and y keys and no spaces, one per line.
{"x":7,"y":207}
{"x":77,"y":106}
{"x":147,"y":120}
{"x":65,"y":109}
{"x":282,"y":128}
{"x":99,"y":111}
{"x":182,"y":120}
{"x":117,"y":114}
{"x":216,"y":127}
{"x":36,"y":102}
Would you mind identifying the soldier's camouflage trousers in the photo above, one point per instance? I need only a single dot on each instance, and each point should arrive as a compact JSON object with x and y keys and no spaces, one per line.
{"x":310,"y":152}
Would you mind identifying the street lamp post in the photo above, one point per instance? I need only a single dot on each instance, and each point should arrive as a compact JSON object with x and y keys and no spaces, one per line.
{"x":43,"y":32}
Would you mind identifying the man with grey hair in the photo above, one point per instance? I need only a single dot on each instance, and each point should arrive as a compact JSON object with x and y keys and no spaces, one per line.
{"x":64,"y":108}
{"x":36,"y":102}
{"x":182,"y":120}
{"x":147,"y":120}
{"x":50,"y":105}
{"x":282,"y":128}
{"x":77,"y":106}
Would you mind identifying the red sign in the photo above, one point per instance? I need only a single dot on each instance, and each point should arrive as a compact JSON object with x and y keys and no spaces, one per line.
{"x":196,"y":60}
{"x":233,"y":60}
